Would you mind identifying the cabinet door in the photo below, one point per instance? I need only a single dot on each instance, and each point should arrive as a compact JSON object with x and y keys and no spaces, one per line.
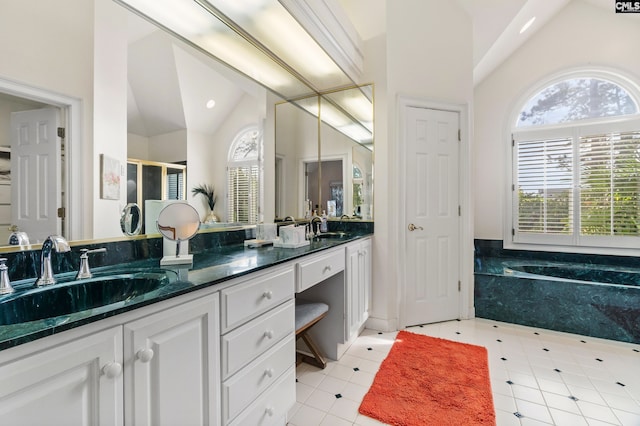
{"x":365,"y":279}
{"x":352,"y":290}
{"x":358,"y":286}
{"x":75,"y":383}
{"x":172,"y":366}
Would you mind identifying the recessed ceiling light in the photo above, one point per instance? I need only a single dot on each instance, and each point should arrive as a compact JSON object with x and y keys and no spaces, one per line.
{"x":526,"y":26}
{"x":211,"y":103}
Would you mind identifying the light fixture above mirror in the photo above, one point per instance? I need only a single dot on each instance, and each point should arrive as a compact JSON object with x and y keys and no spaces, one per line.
{"x":260,"y":39}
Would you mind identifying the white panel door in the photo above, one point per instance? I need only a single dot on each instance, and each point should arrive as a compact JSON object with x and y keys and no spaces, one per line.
{"x":431,"y":291}
{"x":76,"y":383}
{"x":35,"y":172}
{"x":172,"y":368}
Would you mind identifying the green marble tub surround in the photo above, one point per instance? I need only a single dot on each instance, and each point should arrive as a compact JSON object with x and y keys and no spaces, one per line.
{"x":224,"y":259}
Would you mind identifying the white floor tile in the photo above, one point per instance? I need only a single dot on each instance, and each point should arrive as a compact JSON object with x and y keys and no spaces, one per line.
{"x":589,"y":369}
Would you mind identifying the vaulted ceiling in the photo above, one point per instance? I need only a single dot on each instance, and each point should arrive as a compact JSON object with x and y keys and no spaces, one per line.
{"x":188,"y":79}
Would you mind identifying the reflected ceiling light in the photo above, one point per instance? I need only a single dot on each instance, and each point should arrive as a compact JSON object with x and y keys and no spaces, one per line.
{"x":526,"y":26}
{"x":186,"y":18}
{"x":211,"y":103}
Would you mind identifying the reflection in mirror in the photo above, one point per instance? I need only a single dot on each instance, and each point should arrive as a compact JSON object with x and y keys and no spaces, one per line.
{"x":178,"y":222}
{"x":131,"y":220}
{"x":324,"y":155}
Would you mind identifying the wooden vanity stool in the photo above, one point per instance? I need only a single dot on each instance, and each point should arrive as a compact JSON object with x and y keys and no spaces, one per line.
{"x":307,"y":315}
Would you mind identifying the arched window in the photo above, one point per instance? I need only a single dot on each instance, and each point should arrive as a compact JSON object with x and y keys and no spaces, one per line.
{"x":576,"y":165}
{"x":243,"y":177}
{"x":577,"y":99}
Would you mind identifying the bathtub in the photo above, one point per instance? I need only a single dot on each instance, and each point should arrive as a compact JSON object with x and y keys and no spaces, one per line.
{"x":595,"y":300}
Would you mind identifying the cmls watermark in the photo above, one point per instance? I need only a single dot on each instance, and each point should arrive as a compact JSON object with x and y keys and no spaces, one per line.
{"x":628,"y":7}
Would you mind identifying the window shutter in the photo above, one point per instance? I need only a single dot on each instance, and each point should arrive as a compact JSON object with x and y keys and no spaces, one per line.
{"x":243,"y":190}
{"x":545,"y":186}
{"x":610,"y":184}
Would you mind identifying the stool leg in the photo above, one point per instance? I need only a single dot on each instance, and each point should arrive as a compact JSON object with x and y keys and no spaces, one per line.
{"x":318,"y":359}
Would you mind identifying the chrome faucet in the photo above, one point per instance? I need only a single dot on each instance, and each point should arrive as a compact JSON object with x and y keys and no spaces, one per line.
{"x":55,"y":243}
{"x":315,"y":224}
{"x":84,"y":271}
{"x":5,"y":283}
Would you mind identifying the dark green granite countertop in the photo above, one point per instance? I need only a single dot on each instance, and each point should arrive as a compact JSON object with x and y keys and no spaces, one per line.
{"x":209,"y":269}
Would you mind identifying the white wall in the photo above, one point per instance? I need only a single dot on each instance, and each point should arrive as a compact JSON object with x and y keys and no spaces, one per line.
{"x":109,"y":113}
{"x":580,"y":36}
{"x":427,"y":53}
{"x":169,"y":147}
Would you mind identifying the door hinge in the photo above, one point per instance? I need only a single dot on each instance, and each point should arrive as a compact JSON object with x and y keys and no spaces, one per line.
{"x":513,"y":232}
{"x":61,"y":132}
{"x":459,"y":210}
{"x":459,"y":286}
{"x":513,"y":141}
{"x":513,"y":187}
{"x":62,"y":213}
{"x":459,"y":135}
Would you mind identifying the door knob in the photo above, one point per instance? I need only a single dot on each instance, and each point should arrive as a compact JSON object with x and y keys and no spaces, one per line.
{"x":412,"y":227}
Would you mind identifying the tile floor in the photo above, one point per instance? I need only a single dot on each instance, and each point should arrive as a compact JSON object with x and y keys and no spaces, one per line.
{"x":538,"y":377}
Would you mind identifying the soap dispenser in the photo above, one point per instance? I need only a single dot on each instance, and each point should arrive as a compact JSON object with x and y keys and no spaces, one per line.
{"x":323,"y":224}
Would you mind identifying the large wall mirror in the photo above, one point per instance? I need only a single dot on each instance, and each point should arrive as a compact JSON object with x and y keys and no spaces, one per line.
{"x":183,"y":108}
{"x":106,"y":66}
{"x":324,"y":155}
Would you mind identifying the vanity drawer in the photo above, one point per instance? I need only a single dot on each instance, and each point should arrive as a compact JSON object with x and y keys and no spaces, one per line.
{"x":244,"y":387}
{"x":273,"y":405}
{"x":245,"y":343}
{"x":244,"y":301}
{"x":319,"y":268}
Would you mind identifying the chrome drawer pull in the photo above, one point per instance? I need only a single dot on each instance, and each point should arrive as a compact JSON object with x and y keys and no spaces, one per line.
{"x":268,"y":334}
{"x":268,"y":294}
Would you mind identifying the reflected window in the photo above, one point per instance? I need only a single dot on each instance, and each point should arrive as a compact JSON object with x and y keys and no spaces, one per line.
{"x":244,"y":177}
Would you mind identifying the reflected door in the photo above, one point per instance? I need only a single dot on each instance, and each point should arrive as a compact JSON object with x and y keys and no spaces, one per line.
{"x":35,"y":169}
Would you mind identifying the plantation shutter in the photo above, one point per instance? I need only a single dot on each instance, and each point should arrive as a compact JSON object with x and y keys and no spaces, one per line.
{"x":610,"y":184}
{"x":544,"y":187}
{"x":175,"y":184}
{"x":243,"y":190}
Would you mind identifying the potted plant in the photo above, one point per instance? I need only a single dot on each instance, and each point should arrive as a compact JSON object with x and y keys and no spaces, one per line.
{"x":209,"y":194}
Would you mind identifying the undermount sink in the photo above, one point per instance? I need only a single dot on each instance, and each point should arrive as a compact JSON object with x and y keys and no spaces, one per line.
{"x":337,"y":235}
{"x":75,"y":296}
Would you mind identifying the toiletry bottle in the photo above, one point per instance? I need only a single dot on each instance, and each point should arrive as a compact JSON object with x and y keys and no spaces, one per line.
{"x":323,"y":224}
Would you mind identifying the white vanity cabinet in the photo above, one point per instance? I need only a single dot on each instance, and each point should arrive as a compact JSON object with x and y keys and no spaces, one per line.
{"x":171,"y":366}
{"x":157,"y":365}
{"x":357,"y":286}
{"x":73,"y":383}
{"x":258,"y":349}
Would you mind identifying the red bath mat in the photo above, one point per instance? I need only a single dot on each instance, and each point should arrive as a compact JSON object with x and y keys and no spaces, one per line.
{"x":429,"y":381}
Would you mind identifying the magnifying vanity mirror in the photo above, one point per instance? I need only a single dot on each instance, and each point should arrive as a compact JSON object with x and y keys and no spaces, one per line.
{"x":131,"y":220}
{"x":178,"y":222}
